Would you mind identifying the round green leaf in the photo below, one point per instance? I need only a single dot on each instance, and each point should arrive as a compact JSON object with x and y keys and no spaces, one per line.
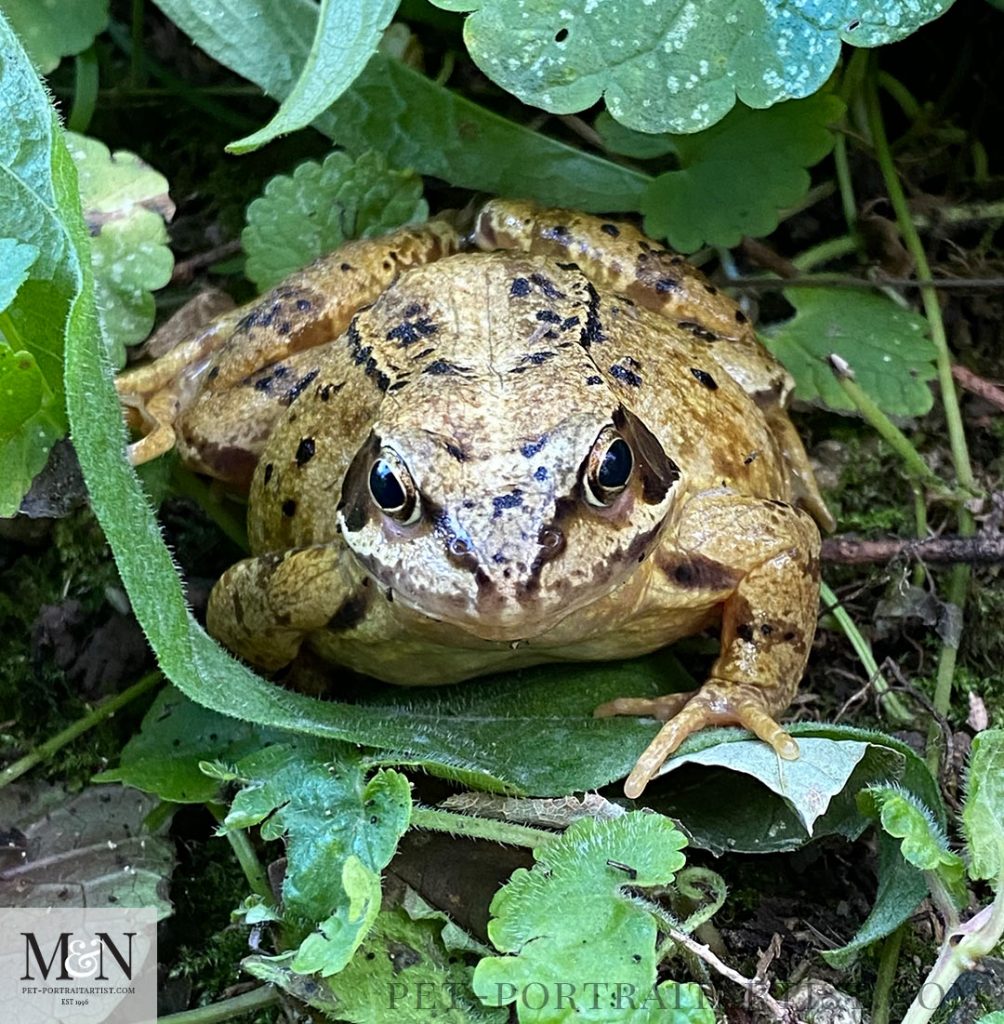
{"x":50,"y":30}
{"x":675,"y":65}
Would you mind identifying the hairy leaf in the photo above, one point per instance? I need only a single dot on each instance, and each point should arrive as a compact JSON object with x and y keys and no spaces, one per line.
{"x":402,"y":972}
{"x":315,"y":796}
{"x":734,"y":179}
{"x":922,"y":842}
{"x":412,"y":120}
{"x":347,"y":35}
{"x":320,"y":205}
{"x":675,"y":66}
{"x":886,"y":347}
{"x":983,"y":812}
{"x":37,"y":189}
{"x":125,"y":206}
{"x":51,"y":31}
{"x":577,"y":888}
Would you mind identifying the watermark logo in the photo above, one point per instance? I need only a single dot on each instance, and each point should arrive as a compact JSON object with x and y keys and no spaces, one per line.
{"x":79,"y":965}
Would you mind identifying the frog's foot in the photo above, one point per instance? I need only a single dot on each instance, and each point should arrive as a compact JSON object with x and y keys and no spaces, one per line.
{"x":717,"y":702}
{"x":160,"y":410}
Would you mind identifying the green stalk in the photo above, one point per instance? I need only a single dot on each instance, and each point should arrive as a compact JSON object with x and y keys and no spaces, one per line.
{"x":78,"y":728}
{"x":478,"y":828}
{"x":137,"y":67}
{"x":888,"y":962}
{"x":85,"y":90}
{"x":226,"y":1009}
{"x":959,"y":578}
{"x":247,"y":858}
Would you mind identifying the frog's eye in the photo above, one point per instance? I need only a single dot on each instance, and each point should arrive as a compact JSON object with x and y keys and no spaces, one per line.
{"x":608,"y":469}
{"x":393,"y":489}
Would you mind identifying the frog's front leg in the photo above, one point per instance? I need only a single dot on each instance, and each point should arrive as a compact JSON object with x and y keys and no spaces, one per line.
{"x":760,"y":559}
{"x":262,"y":608}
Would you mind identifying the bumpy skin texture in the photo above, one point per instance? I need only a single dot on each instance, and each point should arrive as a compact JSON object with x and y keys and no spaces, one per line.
{"x":495,"y":383}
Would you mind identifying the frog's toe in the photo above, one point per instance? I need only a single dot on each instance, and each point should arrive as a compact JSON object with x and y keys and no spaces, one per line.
{"x":660,"y":708}
{"x":718,"y":702}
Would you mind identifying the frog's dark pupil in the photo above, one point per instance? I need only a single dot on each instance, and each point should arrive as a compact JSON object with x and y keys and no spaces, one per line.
{"x":616,"y":465}
{"x":385,"y":487}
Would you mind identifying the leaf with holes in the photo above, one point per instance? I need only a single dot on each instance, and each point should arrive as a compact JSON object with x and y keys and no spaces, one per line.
{"x":125,"y":206}
{"x":735,"y":179}
{"x":885,"y":346}
{"x":674,"y":66}
{"x":312,"y":211}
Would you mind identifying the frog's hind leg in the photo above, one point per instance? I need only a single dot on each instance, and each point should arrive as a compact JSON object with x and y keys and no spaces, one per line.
{"x":310,"y":308}
{"x":618,"y":257}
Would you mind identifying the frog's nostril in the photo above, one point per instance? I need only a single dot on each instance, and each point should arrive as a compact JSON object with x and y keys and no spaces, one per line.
{"x":551,"y":538}
{"x":459,"y":547}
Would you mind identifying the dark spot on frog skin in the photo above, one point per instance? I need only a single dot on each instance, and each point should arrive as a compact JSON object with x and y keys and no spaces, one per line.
{"x":499,"y":559}
{"x":270,"y":376}
{"x":698,"y":572}
{"x":362,"y":355}
{"x":537,"y":358}
{"x":303,"y":305}
{"x":444,"y":368}
{"x":622,"y":373}
{"x":711,"y":289}
{"x":594,"y":379}
{"x":345,"y":268}
{"x":705,"y":378}
{"x":548,"y":316}
{"x":697,"y":330}
{"x":592,"y":331}
{"x":750,"y":458}
{"x":238,"y":606}
{"x":745,"y":632}
{"x":777,"y":503}
{"x":351,"y":612}
{"x":328,"y":390}
{"x":520,"y":287}
{"x":557,"y":233}
{"x":456,"y":451}
{"x":610,"y":229}
{"x":413,"y":310}
{"x":658,"y":471}
{"x":512,"y":500}
{"x":285,"y":327}
{"x":423,"y":354}
{"x":531,"y":448}
{"x":289,"y":508}
{"x":269,"y":468}
{"x":567,"y":266}
{"x":408,"y":332}
{"x":540,"y":474}
{"x":551,"y":539}
{"x":766,"y":629}
{"x":213,"y":373}
{"x":741,"y":317}
{"x":666,"y":284}
{"x":398,"y":385}
{"x":547,"y":286}
{"x":304,"y":452}
{"x":295,"y":390}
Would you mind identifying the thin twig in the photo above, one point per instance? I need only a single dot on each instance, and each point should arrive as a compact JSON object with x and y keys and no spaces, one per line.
{"x":185,"y":270}
{"x":983,"y":549}
{"x":797,"y":280}
{"x":977,"y":385}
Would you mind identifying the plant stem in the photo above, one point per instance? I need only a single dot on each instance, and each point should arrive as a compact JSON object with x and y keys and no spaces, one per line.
{"x":478,"y":828}
{"x":85,"y":90}
{"x":886,"y":976}
{"x":226,"y":1009}
{"x":959,"y":579}
{"x":78,"y":728}
{"x":137,"y":67}
{"x":889,"y":701}
{"x":831,"y":249}
{"x":247,"y":858}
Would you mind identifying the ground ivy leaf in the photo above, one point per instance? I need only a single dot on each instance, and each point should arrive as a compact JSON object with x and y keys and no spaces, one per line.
{"x":887,"y":348}
{"x":675,"y":66}
{"x":735,"y":178}
{"x":412,"y":120}
{"x":401,"y":972}
{"x":321,"y":205}
{"x":175,"y":737}
{"x":50,"y":32}
{"x":983,"y":813}
{"x":125,"y":206}
{"x":315,"y":796}
{"x":576,"y":888}
{"x":347,"y":35}
{"x":922,"y":842}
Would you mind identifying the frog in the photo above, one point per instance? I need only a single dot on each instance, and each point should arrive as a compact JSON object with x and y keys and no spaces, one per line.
{"x":544,"y":439}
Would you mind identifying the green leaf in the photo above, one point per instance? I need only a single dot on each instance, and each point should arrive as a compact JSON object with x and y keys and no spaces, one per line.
{"x":402,"y":972}
{"x":411,"y":120}
{"x":901,"y":888}
{"x":734,"y":179}
{"x":625,"y":142}
{"x":16,"y":259}
{"x":673,"y":66}
{"x":37,"y":190}
{"x":314,"y":796}
{"x":347,"y":35}
{"x":577,"y":888}
{"x":51,"y":31}
{"x":886,"y":347}
{"x":176,"y":736}
{"x":125,"y":206}
{"x":320,"y":206}
{"x":983,"y":812}
{"x":923,"y":844}
{"x":997,"y":1017}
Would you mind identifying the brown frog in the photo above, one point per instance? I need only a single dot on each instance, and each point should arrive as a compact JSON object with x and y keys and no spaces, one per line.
{"x":564,"y":445}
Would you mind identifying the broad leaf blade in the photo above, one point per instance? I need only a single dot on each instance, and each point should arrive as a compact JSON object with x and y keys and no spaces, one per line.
{"x":50,"y":32}
{"x":348,"y":33}
{"x":983,"y":813}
